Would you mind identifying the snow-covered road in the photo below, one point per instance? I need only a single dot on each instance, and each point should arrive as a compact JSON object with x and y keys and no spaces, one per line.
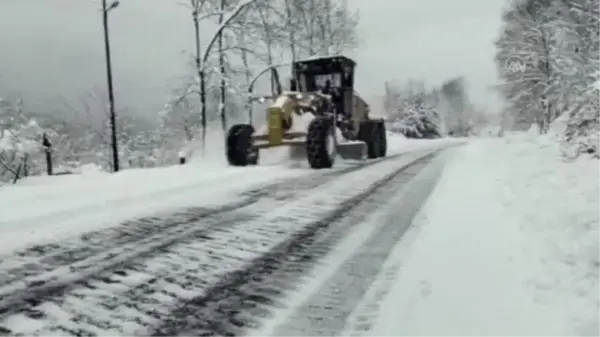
{"x":499,"y":236}
{"x":333,"y":290}
{"x":213,"y":270}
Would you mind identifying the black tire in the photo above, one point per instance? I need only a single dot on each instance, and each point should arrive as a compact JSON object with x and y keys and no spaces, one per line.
{"x":368,"y":134}
{"x":239,"y":146}
{"x":382,"y":134}
{"x":318,"y":142}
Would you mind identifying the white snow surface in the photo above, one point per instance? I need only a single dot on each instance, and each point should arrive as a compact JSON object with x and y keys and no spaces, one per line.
{"x":46,"y":209}
{"x":507,"y":244}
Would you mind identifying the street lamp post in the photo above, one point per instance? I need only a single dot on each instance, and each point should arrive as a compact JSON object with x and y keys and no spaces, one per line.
{"x":111,"y":97}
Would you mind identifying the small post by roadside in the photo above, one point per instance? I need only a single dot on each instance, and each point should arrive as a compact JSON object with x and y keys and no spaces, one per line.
{"x":181,"y":158}
{"x":48,"y":152}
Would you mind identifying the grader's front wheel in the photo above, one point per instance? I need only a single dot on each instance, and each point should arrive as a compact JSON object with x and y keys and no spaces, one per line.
{"x":320,"y":143}
{"x":239,"y":146}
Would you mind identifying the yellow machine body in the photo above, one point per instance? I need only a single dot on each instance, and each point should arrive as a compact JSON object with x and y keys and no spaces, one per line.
{"x":275,"y":126}
{"x":280,"y":118}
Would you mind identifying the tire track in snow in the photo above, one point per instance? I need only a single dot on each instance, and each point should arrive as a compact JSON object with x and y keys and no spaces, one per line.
{"x":24,"y":294}
{"x":45,"y":258}
{"x":326,"y":311}
{"x":144,"y":289}
{"x":38,"y":260}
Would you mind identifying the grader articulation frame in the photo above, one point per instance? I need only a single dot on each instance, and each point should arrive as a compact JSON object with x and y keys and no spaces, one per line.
{"x":323,"y":88}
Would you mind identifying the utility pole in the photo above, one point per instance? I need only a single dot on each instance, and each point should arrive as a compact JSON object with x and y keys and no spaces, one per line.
{"x":111,"y":96}
{"x":222,"y":73}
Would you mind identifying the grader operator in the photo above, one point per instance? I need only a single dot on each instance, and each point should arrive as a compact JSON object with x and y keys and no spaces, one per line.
{"x":322,"y":88}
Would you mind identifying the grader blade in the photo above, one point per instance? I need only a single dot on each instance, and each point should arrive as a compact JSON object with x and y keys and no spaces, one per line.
{"x":352,"y":150}
{"x":297,"y":153}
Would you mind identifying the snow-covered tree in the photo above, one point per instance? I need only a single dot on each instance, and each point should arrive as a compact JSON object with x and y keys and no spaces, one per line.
{"x":20,"y":140}
{"x":583,"y":127}
{"x":454,"y":114}
{"x":582,"y":133}
{"x":527,"y":40}
{"x":416,"y":119}
{"x":556,"y":43}
{"x":458,"y":112}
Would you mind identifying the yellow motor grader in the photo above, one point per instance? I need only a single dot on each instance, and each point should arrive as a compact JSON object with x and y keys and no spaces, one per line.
{"x":340,"y":124}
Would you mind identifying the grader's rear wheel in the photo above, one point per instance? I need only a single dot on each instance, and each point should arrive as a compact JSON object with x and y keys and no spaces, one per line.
{"x":382,"y":134}
{"x":239,"y":146}
{"x":320,"y":143}
{"x":373,"y":133}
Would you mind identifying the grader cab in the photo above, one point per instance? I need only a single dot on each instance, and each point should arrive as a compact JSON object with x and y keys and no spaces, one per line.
{"x":322,"y":92}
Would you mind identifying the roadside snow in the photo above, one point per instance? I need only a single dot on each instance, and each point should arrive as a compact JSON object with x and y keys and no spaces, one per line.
{"x":506,"y":245}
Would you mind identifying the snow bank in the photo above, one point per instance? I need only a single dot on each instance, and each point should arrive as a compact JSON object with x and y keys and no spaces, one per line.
{"x":506,"y":245}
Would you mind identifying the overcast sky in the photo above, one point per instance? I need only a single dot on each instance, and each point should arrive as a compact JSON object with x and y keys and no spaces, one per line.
{"x":429,"y":39}
{"x":53,"y":48}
